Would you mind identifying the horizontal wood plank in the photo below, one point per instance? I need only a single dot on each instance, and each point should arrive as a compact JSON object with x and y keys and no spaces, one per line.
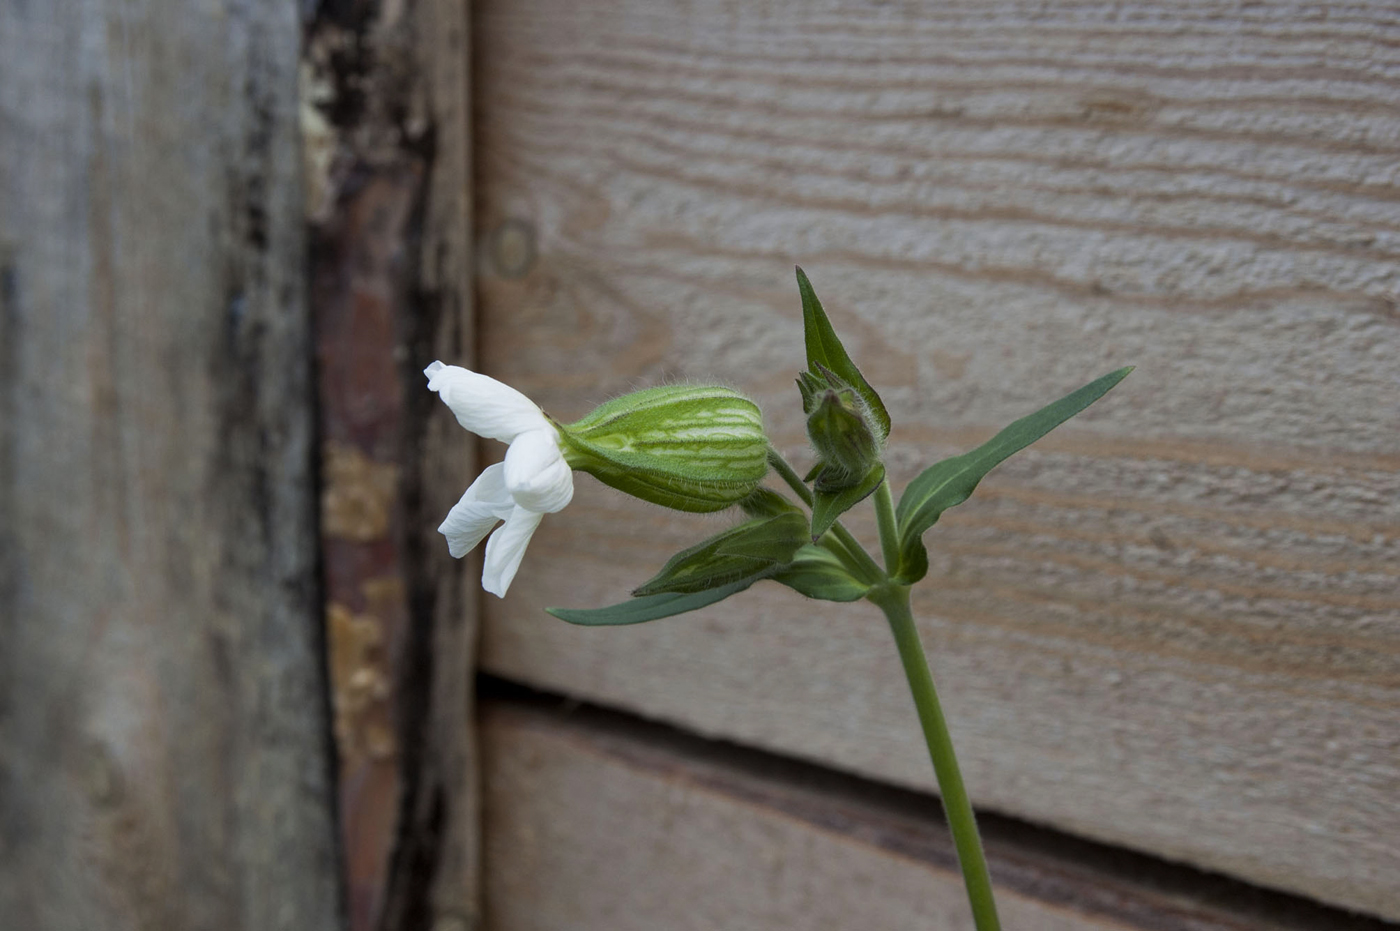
{"x":596,"y":823}
{"x":1172,"y":625}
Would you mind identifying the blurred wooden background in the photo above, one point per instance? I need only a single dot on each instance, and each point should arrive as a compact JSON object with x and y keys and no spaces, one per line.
{"x":1173,"y":626}
{"x":1168,"y":636}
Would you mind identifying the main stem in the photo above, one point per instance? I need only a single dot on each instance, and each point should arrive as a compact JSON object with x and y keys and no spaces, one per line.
{"x":894,"y":601}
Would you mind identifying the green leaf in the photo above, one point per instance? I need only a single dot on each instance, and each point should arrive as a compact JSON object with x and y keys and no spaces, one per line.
{"x":951,"y":482}
{"x":824,"y":348}
{"x":817,"y":573}
{"x":765,"y":502}
{"x":829,"y":505}
{"x":913,"y":562}
{"x":747,"y":551}
{"x":650,"y":608}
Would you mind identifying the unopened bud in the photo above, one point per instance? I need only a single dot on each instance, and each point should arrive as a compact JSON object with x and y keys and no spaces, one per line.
{"x":839,"y":424}
{"x":680,"y":446}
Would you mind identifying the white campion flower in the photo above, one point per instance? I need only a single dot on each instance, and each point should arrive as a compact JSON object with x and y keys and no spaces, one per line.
{"x":533,"y":481}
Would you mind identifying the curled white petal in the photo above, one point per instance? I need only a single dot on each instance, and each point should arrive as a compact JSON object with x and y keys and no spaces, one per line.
{"x":506,"y":548}
{"x":483,"y":405}
{"x":485,"y":502}
{"x":537,"y":476}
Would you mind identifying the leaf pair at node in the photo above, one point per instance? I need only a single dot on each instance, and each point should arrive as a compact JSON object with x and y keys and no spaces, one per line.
{"x":774,"y":548}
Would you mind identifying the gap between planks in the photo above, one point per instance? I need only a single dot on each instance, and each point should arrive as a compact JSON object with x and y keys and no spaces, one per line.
{"x":1093,"y":879}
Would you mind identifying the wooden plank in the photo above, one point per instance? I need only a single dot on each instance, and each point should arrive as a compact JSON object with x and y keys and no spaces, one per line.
{"x":1174,"y":625}
{"x":392,"y":265}
{"x":164,"y":755}
{"x":447,"y":816}
{"x":595,"y":825}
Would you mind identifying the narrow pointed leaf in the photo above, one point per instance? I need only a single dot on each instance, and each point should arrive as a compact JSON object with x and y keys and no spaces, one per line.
{"x":776,"y":541}
{"x":650,"y":608}
{"x":829,"y":505}
{"x":952,"y":481}
{"x":824,"y":349}
{"x":817,"y":573}
{"x":749,"y":549}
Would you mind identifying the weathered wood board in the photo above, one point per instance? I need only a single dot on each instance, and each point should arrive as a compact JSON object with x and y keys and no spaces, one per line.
{"x":1173,"y":625}
{"x":386,"y":122}
{"x":590,"y":826}
{"x":164,"y":752}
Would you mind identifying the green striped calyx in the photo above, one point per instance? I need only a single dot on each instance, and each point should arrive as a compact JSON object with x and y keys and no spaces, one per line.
{"x":691,"y":448}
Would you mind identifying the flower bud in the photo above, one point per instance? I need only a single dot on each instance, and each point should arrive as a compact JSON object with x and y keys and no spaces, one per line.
{"x":680,"y":446}
{"x":839,"y":424}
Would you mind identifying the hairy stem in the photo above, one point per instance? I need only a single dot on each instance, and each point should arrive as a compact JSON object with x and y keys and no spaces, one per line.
{"x":889,"y":531}
{"x":789,"y":475}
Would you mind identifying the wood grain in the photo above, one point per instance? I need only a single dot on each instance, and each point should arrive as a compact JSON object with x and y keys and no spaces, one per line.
{"x":1173,"y":625}
{"x":596,"y":825}
{"x":164,"y":753}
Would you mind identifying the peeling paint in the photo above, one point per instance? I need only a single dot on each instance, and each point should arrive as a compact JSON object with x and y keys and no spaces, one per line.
{"x":318,"y":142}
{"x":360,"y":676}
{"x":359,"y":494}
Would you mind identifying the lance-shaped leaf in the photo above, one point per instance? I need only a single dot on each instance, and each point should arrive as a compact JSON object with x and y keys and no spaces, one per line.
{"x":824,"y":349}
{"x":951,"y":482}
{"x":827,"y":506}
{"x":748,"y":551}
{"x":650,"y":608}
{"x":817,"y":573}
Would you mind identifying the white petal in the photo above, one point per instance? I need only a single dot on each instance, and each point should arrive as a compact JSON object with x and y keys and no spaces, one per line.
{"x":483,"y":405}
{"x":537,"y":476}
{"x":506,"y":548}
{"x":485,"y":502}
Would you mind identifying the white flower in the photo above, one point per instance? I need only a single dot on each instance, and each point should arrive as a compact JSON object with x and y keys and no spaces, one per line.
{"x":533,"y":481}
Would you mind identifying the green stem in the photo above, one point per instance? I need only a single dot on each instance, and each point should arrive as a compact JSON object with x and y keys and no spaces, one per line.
{"x":866,"y":568}
{"x":889,"y":530}
{"x":872,"y":571}
{"x":894,"y":601}
{"x":789,"y":475}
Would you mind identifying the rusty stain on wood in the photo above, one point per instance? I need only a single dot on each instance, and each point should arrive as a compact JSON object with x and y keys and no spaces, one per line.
{"x":361,"y":325}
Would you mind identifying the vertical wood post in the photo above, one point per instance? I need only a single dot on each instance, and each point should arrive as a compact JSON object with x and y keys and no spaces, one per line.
{"x":386,"y":116}
{"x":164,"y":758}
